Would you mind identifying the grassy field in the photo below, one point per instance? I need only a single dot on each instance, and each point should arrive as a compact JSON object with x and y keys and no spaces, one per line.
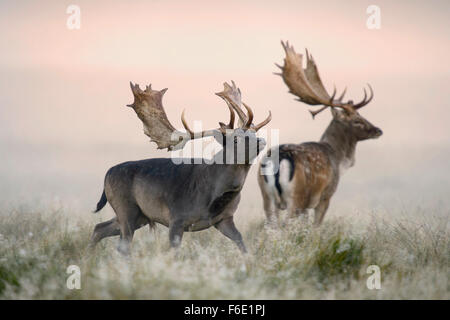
{"x":294,"y":262}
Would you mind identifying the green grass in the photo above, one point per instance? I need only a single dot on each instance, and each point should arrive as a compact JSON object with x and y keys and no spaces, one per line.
{"x":297,"y":261}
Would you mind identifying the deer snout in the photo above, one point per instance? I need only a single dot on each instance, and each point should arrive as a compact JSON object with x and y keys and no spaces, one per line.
{"x":377,"y":132}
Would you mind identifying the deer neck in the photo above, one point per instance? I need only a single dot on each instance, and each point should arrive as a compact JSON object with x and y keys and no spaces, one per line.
{"x":228,"y":175}
{"x":343,"y":143}
{"x":224,"y":177}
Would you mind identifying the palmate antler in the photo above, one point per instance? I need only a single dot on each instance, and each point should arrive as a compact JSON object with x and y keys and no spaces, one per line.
{"x":148,"y":107}
{"x":306,"y":84}
{"x":232,"y":96}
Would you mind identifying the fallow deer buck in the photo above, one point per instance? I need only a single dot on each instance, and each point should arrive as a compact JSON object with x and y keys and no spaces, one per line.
{"x":306,"y":175}
{"x":188,"y":195}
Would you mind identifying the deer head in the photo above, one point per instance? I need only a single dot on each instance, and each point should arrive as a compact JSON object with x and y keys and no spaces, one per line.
{"x":148,"y":106}
{"x":356,"y":125}
{"x":307,"y":85}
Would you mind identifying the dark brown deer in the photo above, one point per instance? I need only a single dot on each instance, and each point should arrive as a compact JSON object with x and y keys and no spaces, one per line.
{"x":305,"y":176}
{"x":182,"y":194}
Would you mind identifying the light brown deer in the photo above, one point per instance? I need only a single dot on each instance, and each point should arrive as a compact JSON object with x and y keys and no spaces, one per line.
{"x":305,"y":176}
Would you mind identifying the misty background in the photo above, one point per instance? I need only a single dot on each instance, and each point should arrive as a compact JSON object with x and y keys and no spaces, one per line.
{"x":63,"y":120}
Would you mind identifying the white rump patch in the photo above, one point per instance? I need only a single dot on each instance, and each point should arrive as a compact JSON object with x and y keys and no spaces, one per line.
{"x":269,"y":174}
{"x":269,"y":184}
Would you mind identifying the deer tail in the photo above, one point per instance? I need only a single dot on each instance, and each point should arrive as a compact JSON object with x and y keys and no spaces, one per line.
{"x":102,"y":202}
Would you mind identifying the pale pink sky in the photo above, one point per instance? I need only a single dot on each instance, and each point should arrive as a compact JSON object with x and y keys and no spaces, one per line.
{"x":207,"y":36}
{"x":193,"y":46}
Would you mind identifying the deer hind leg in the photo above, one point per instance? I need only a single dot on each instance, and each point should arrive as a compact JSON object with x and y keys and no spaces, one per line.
{"x":130,"y":218}
{"x":104,"y":229}
{"x":296,"y":210}
{"x":269,"y":195}
{"x":277,"y":190}
{"x":111,"y":228}
{"x":271,"y":210}
{"x":296,"y":203}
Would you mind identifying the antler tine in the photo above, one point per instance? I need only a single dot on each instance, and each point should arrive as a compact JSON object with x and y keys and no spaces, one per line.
{"x":364,"y":102}
{"x":207,"y":133}
{"x":230,"y":125}
{"x":223,"y":127}
{"x":316,"y":112}
{"x":331,"y":103}
{"x":232,"y":117}
{"x":365,"y":96}
{"x":241,"y":114}
{"x":333,"y":95}
{"x":342,"y":94}
{"x":186,"y":126}
{"x":285,"y":45}
{"x":263,"y":123}
{"x":250,"y":116}
{"x":246,"y":119}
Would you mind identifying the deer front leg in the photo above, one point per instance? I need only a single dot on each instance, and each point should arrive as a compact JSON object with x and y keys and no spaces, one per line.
{"x":176,"y":229}
{"x":320,"y":210}
{"x":229,"y":230}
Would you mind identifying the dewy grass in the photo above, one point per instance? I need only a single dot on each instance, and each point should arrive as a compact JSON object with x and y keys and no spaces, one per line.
{"x":339,"y":256}
{"x":295,"y":261}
